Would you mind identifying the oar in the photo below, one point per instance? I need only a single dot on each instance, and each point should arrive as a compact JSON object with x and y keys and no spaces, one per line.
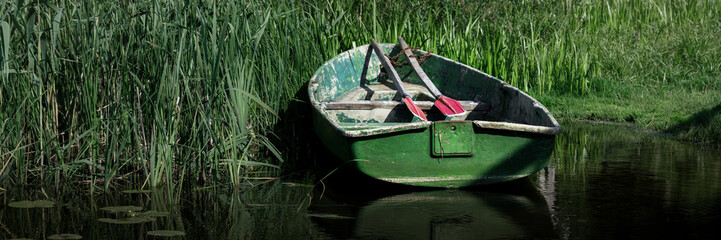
{"x":448,"y":106}
{"x":397,"y":81}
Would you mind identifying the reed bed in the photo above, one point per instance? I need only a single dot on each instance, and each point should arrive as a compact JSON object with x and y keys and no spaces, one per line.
{"x":156,"y":92}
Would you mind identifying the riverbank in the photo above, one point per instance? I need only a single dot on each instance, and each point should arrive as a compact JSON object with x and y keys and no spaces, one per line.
{"x":202,"y":93}
{"x":687,"y":114}
{"x":660,"y":74}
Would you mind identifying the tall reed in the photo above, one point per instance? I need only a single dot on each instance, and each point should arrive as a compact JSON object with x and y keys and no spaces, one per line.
{"x":187,"y":92}
{"x":100,"y":90}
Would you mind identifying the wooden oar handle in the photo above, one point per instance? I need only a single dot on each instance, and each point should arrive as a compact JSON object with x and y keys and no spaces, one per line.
{"x":389,"y":68}
{"x":417,"y":68}
{"x":367,"y":62}
{"x":397,"y":81}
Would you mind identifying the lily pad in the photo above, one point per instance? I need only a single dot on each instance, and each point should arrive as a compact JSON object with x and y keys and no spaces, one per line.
{"x":166,"y":233}
{"x":153,"y":213}
{"x":65,"y":236}
{"x":130,"y":220}
{"x":32,"y":204}
{"x":122,"y":209}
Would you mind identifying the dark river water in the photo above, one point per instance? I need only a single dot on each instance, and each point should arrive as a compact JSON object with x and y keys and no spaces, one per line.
{"x":603,"y":182}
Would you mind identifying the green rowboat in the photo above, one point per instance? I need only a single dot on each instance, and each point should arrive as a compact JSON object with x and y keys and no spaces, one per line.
{"x":358,"y":114}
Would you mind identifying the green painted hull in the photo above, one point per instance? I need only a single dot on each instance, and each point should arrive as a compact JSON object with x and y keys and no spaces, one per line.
{"x":384,"y":143}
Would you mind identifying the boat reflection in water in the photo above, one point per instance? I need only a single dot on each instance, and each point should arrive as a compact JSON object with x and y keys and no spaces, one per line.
{"x":517,"y":211}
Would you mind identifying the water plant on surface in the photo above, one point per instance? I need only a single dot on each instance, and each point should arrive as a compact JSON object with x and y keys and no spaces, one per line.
{"x":32,"y":204}
{"x":64,"y":236}
{"x":128,"y":220}
{"x":121,"y":209}
{"x":166,"y":233}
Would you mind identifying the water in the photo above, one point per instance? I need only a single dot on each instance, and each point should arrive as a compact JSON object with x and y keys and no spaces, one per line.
{"x":618,"y":182}
{"x":604,"y":182}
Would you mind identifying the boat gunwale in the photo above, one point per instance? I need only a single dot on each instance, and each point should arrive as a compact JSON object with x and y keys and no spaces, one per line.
{"x":505,"y":126}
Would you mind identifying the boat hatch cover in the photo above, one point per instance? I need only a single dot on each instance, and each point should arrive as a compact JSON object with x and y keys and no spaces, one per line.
{"x":452,"y":138}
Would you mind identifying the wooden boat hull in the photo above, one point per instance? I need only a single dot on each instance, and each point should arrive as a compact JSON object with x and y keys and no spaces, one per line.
{"x":455,"y":152}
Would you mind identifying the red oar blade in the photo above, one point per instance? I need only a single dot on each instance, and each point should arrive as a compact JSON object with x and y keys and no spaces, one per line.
{"x":414,"y":108}
{"x":449,"y":107}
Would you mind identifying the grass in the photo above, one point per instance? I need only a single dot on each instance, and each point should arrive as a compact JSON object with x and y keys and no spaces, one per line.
{"x":99,"y":90}
{"x":659,"y":68}
{"x":196,"y":92}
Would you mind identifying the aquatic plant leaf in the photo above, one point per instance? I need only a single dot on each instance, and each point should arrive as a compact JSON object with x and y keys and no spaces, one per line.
{"x":271,"y":148}
{"x":257,"y":100}
{"x":119,"y":209}
{"x":153,"y":213}
{"x":65,"y":236}
{"x":6,"y":46}
{"x":32,"y":204}
{"x":166,"y":233}
{"x":130,"y":220}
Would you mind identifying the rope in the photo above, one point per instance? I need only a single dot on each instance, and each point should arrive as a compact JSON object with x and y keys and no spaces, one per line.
{"x":399,"y":64}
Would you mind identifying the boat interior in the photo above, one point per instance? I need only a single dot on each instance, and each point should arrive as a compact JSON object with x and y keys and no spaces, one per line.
{"x":379,"y":102}
{"x":352,"y":103}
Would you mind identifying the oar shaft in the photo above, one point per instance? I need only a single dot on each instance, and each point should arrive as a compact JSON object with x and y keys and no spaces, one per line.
{"x":417,"y":68}
{"x":389,"y":68}
{"x":365,"y":65}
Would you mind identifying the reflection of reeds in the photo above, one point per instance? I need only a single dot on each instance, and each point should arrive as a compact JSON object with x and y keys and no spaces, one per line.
{"x":602,"y":171}
{"x":581,"y":145}
{"x":574,"y":148}
{"x":269,"y":211}
{"x":99,"y":90}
